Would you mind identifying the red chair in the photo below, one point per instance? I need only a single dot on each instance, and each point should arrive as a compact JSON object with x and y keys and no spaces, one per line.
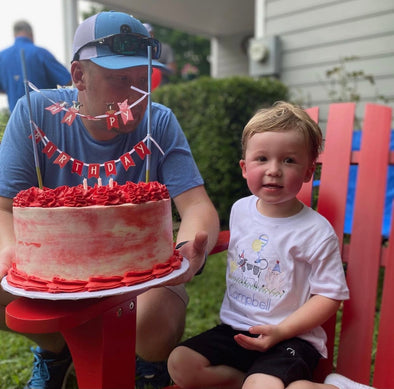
{"x":365,"y":337}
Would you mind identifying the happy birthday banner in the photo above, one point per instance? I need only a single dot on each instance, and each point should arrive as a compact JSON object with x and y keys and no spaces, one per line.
{"x":111,"y":116}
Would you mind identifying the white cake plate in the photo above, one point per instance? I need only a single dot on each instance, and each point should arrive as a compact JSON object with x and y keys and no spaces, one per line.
{"x":139,"y":288}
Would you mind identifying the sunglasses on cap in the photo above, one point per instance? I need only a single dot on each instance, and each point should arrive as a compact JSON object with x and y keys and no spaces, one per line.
{"x":126,"y":44}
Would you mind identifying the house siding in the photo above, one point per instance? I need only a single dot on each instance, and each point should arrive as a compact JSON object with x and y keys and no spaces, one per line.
{"x":229,"y":56}
{"x":315,"y":35}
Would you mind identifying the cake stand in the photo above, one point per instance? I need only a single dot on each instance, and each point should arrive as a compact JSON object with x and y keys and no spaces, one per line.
{"x":99,"y":328}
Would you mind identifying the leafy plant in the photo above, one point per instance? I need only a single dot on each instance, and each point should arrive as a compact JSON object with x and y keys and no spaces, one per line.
{"x":343,"y":84}
{"x":189,"y":50}
{"x":4,"y":116}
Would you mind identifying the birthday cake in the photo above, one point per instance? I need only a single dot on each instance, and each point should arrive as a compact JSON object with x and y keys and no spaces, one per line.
{"x":73,"y":239}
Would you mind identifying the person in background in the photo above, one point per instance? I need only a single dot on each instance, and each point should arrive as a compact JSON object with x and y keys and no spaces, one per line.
{"x":43,"y":69}
{"x":167,"y":57}
{"x":284,"y":274}
{"x":110,"y":66}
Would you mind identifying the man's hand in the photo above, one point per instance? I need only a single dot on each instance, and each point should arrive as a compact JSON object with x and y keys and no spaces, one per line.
{"x":7,"y":237}
{"x":6,"y":257}
{"x":194,"y":251}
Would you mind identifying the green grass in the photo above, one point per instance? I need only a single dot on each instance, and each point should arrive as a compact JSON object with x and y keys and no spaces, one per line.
{"x":206,"y":295}
{"x":205,"y":291}
{"x":15,"y":360}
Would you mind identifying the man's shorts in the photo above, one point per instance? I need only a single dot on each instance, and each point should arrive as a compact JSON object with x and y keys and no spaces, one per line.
{"x":180,"y":291}
{"x":291,"y":360}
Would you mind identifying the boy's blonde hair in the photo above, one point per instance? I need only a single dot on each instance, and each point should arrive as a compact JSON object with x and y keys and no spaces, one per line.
{"x":284,"y":116}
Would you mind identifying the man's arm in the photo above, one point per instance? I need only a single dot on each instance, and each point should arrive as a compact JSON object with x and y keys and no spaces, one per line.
{"x":197,"y":214}
{"x":7,"y":237}
{"x":199,"y":225}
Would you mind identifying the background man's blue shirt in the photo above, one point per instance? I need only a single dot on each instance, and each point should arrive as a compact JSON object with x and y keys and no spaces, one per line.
{"x":43,"y":70}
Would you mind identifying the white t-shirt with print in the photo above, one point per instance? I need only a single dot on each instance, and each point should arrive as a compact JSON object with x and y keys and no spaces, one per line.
{"x":274,"y":265}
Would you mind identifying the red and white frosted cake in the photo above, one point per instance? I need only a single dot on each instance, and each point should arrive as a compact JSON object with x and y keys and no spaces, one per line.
{"x":73,"y":239}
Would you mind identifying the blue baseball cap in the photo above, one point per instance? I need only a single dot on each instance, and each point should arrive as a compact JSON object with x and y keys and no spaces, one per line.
{"x":105,"y":24}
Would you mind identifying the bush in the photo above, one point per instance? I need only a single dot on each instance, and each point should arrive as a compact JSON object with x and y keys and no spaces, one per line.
{"x":4,"y":116}
{"x":213,"y":113}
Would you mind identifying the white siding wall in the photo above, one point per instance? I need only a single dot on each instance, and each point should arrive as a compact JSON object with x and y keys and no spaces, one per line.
{"x":315,"y":34}
{"x":228,"y":56}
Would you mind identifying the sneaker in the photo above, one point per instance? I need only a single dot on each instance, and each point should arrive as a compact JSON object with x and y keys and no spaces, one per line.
{"x":342,"y":382}
{"x":50,"y":370}
{"x":151,"y":375}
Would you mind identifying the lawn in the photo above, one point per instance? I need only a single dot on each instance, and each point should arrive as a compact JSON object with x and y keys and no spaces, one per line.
{"x":205,"y":291}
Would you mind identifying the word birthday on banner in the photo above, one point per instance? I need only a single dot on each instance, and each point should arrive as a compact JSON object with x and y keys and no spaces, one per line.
{"x":126,"y":160}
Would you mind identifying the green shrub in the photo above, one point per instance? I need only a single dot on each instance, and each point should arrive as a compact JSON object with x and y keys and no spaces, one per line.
{"x":213,"y":113}
{"x":4,"y":116}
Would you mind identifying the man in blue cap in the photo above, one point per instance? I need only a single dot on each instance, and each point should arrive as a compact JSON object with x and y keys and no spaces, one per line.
{"x":109,"y":68}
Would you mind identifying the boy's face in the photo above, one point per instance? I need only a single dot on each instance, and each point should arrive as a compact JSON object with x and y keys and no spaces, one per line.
{"x":276,"y":165}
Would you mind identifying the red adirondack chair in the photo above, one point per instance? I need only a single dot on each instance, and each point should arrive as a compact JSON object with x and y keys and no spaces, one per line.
{"x":365,"y":252}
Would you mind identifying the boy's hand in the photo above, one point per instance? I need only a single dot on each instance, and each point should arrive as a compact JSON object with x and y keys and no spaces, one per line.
{"x":269,"y":335}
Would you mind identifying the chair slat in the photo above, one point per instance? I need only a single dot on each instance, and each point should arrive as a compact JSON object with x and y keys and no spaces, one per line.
{"x":384,"y":361}
{"x":335,"y":165}
{"x":332,"y":194}
{"x":354,"y":355}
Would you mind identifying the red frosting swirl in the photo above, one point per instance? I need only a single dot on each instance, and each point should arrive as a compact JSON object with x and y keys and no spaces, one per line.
{"x":21,"y":280}
{"x":78,"y":196}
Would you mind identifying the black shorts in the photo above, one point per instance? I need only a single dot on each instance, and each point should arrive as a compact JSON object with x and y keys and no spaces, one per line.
{"x":291,"y":360}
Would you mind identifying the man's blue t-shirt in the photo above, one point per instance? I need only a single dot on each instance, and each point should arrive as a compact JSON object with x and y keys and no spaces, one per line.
{"x":42,"y":69}
{"x":171,"y":161}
